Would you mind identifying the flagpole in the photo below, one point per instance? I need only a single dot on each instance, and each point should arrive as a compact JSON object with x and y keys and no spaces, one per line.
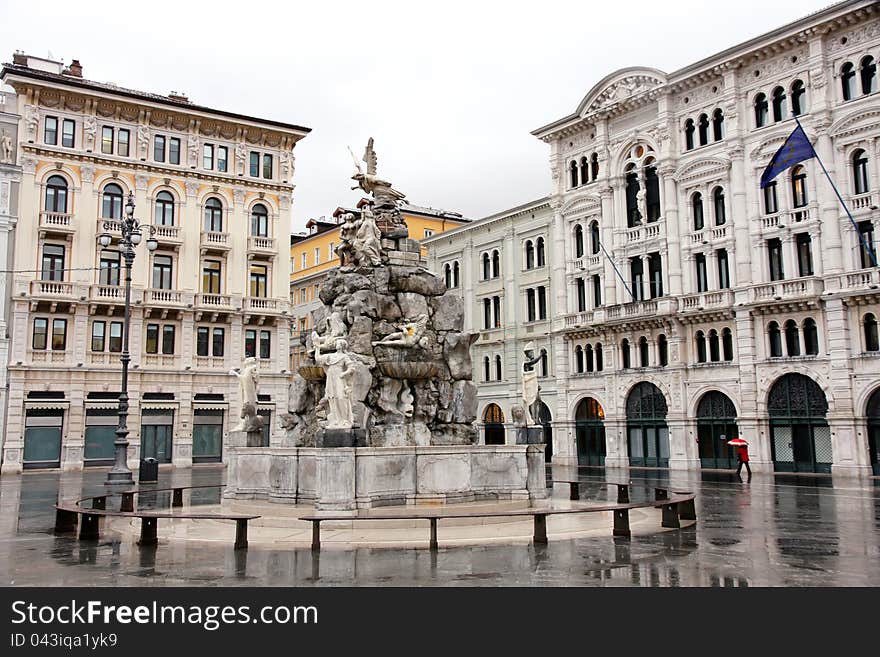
{"x":617,"y":271}
{"x":869,"y":249}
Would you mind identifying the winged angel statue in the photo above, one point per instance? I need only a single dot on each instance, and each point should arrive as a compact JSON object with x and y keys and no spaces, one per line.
{"x":384,"y":195}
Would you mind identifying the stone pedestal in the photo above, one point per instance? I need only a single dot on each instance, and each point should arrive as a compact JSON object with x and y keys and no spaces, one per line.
{"x":537,"y":478}
{"x":245,"y":439}
{"x":341,"y":438}
{"x":335,"y":480}
{"x":530,"y":435}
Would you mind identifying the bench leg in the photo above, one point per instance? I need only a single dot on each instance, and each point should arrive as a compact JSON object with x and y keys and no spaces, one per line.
{"x":661,"y":494}
{"x":88,"y":527}
{"x":687,"y":510}
{"x":65,"y":521}
{"x":316,"y":535}
{"x":177,"y":497}
{"x":99,"y":502}
{"x":621,"y":523}
{"x":127,"y":504}
{"x":148,"y":532}
{"x":670,"y":516}
{"x":575,"y":491}
{"x":433,"y":533}
{"x":540,"y":529}
{"x":623,"y":493}
{"x":241,"y":541}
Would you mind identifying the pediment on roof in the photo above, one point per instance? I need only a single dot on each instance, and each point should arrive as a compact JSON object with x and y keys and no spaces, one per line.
{"x":856,"y":122}
{"x":702,"y":169}
{"x":581,"y":204}
{"x":621,"y":85}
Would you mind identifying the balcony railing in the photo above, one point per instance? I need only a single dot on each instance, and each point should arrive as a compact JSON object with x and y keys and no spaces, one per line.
{"x":862,"y":202}
{"x":170,"y":297}
{"x":47,"y":356}
{"x":214,"y":300}
{"x":57,"y":221}
{"x":579,"y":319}
{"x":160,"y":360}
{"x":61,"y":289}
{"x":770,"y":221}
{"x":703,"y":300}
{"x":112,"y":226}
{"x":214,"y":240}
{"x":797,"y":288}
{"x":260,"y":303}
{"x":262,"y":244}
{"x":585,"y":261}
{"x":634,"y":309}
{"x":168,"y":234}
{"x":210,"y":362}
{"x":800,"y":215}
{"x":643,"y":232}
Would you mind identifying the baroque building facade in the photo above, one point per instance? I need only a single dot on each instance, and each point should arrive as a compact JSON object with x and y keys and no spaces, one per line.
{"x":214,"y":189}
{"x":689,"y":306}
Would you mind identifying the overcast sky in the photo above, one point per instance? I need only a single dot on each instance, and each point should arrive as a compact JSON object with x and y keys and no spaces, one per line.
{"x":450,"y":90}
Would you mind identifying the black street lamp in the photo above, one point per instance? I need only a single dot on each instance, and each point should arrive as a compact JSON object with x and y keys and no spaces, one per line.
{"x":120,"y":474}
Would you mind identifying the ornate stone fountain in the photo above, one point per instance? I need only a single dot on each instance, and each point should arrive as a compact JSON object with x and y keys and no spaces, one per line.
{"x":383,"y":409}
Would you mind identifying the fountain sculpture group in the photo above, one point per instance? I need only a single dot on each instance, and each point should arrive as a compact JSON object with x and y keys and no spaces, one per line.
{"x":383,"y":410}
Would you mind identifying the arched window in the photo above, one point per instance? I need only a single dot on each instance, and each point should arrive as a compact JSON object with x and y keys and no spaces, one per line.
{"x":539,"y":252}
{"x":594,"y":237}
{"x":848,"y":81}
{"x":703,"y":129}
{"x":111,"y":202}
{"x":701,"y":347}
{"x":811,"y":337}
{"x":798,"y":96}
{"x":718,"y":203}
{"x":761,"y":108}
{"x":599,"y":356}
{"x":633,"y":216}
{"x":662,"y":351}
{"x":163,"y":214}
{"x":872,"y":339}
{"x":56,"y":195}
{"x":487,"y":274}
{"x":594,"y":166}
{"x":775,"y":336}
{"x":799,"y":186}
{"x":792,"y":341}
{"x":697,"y":211}
{"x":714,"y":351}
{"x":578,"y":241}
{"x":727,"y":344}
{"x":487,"y":374}
{"x":643,"y":351}
{"x":860,"y":171}
{"x":545,"y":365}
{"x":498,"y":368}
{"x":496,"y":264}
{"x":530,"y":255}
{"x":624,"y":354}
{"x":588,"y":352}
{"x":447,"y":274}
{"x":689,"y":134}
{"x":868,"y":70}
{"x":718,"y":125}
{"x":455,"y":274}
{"x":259,"y":221}
{"x":573,"y":173}
{"x":579,"y":359}
{"x":585,"y":171}
{"x":779,"y":106}
{"x":652,"y":192}
{"x":213,"y":215}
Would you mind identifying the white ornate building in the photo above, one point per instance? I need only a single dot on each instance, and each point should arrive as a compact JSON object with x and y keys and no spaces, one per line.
{"x":689,"y":306}
{"x":214,"y":188}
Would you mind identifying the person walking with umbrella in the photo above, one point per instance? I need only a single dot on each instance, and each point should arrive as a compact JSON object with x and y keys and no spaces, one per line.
{"x":742,"y":456}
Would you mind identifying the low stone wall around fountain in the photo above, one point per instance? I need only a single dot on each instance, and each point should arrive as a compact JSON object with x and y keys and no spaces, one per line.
{"x":367,"y":477}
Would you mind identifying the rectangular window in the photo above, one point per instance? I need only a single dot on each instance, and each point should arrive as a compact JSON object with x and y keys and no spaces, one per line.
{"x":496,"y":308}
{"x":41,"y":331}
{"x":597,"y":290}
{"x":174,"y":150}
{"x":152,"y":342}
{"x":542,"y":302}
{"x":202,"y":335}
{"x":219,"y":341}
{"x":330,"y":251}
{"x":866,"y":228}
{"x":122,"y":143}
{"x":429,"y":232}
{"x":68,"y":135}
{"x":50,"y":131}
{"x":115,"y":337}
{"x":637,"y":273}
{"x":107,"y":140}
{"x":265,"y":344}
{"x":723,"y":270}
{"x":156,"y":434}
{"x":108,"y":268}
{"x":655,"y":275}
{"x":770,"y":204}
{"x":99,"y":330}
{"x":258,"y":278}
{"x":162,"y":272}
{"x":168,"y":339}
{"x":267,"y":166}
{"x":805,"y":255}
{"x":99,"y":436}
{"x":305,"y":262}
{"x":774,"y":256}
{"x":159,"y":148}
{"x":53,"y":262}
{"x":59,"y":334}
{"x":487,"y":314}
{"x":211,"y":277}
{"x":317,"y":255}
{"x":222,"y":158}
{"x":702,"y":277}
{"x":581,"y":295}
{"x":207,"y":436}
{"x":255,"y":164}
{"x":530,"y":305}
{"x":250,"y":343}
{"x":208,"y":156}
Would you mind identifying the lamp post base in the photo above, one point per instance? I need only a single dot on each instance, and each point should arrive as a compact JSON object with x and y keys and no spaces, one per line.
{"x":119,"y":478}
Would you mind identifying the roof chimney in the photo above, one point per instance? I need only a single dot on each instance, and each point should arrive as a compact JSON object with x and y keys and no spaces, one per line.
{"x":74,"y":70}
{"x":182,"y":97}
{"x":18,"y":57}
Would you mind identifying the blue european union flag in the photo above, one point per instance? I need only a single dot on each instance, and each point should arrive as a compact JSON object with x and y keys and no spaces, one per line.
{"x":796,"y":148}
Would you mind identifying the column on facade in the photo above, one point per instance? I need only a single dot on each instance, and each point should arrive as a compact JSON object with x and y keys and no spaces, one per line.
{"x":711,"y":270}
{"x":829,"y":208}
{"x":748,"y":330}
{"x":740,"y":219}
{"x":610,"y":282}
{"x":559,"y":264}
{"x":673,"y":231}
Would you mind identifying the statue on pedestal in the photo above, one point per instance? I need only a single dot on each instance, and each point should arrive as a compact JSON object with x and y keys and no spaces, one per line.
{"x":340,"y":369}
{"x":6,"y":148}
{"x":90,"y":130}
{"x":529,"y":383}
{"x":248,"y":379}
{"x":368,"y":241}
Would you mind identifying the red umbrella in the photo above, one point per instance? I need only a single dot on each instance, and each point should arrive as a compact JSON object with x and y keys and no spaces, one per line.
{"x":737,"y":442}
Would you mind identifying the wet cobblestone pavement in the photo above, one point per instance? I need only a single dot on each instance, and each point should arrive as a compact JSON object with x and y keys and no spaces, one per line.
{"x":773,"y":531}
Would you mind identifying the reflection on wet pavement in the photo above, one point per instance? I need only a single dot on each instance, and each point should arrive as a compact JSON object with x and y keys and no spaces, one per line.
{"x":773,"y":531}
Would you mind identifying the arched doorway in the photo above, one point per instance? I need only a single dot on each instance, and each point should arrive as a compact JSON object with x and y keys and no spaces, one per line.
{"x":801,"y":437}
{"x":544,"y":418}
{"x":493,"y":425}
{"x":716,"y":424}
{"x":647,"y":433}
{"x":873,"y":413}
{"x":589,"y":420}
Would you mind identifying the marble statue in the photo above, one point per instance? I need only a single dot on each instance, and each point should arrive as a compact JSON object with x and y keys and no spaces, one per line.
{"x":384,"y":196}
{"x":143,"y":137}
{"x":410,"y":334}
{"x":32,"y":121}
{"x":529,"y":382}
{"x":640,"y":203}
{"x":248,"y":380}
{"x":90,"y":129}
{"x":347,"y":235}
{"x":287,"y":161}
{"x":6,"y":148}
{"x":340,"y":369}
{"x":518,"y":415}
{"x":335,"y":330}
{"x":368,"y":242}
{"x":240,"y":157}
{"x":193,"y":146}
